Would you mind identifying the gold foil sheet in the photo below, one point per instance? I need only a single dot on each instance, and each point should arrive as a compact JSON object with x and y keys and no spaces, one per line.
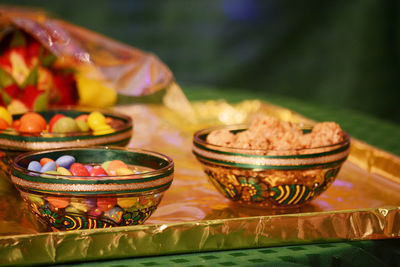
{"x":363,"y":202}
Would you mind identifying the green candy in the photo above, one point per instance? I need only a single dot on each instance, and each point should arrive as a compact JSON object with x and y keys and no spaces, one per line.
{"x":82,"y":125}
{"x":105,"y":165}
{"x":65,"y":125}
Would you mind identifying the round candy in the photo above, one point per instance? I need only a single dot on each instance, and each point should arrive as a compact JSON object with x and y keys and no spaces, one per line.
{"x":106,"y":204}
{"x":65,"y":161}
{"x":63,"y":171}
{"x":54,"y":119}
{"x":97,"y":171}
{"x":43,"y":161}
{"x":114,"y":166}
{"x":95,"y":212}
{"x":82,"y":125}
{"x":3,"y":124}
{"x":103,"y":129}
{"x":34,"y":166}
{"x":6,"y":115}
{"x":88,"y":167}
{"x":49,"y":166}
{"x":16,"y":124}
{"x":95,"y":119}
{"x":82,"y":117}
{"x":32,"y":122}
{"x":65,"y":125}
{"x":124,"y":171}
{"x":79,"y":204}
{"x":58,"y":202}
{"x":78,"y":169}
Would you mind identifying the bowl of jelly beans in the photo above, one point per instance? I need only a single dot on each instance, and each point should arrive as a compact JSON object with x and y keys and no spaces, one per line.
{"x":60,"y":128}
{"x":95,"y":187}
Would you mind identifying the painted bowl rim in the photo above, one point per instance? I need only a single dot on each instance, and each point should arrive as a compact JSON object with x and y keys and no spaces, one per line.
{"x":197,"y":140}
{"x":156,"y":179}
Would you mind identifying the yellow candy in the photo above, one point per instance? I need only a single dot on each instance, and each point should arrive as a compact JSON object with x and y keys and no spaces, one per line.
{"x":63,"y":171}
{"x":96,"y":119}
{"x":103,"y":129}
{"x":124,"y":171}
{"x":127,"y":202}
{"x":4,"y":114}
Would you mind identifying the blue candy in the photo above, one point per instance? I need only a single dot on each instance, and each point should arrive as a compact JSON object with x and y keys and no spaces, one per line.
{"x":114,"y":214}
{"x":88,"y":167}
{"x":49,"y":166}
{"x":65,"y":161}
{"x":34,"y":166}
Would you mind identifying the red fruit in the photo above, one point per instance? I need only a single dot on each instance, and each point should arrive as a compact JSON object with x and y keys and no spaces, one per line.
{"x":97,"y":171}
{"x":78,"y":169}
{"x":30,"y":94}
{"x":54,"y":119}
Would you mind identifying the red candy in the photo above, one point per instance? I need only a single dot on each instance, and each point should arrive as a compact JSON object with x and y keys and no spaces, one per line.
{"x":78,"y":169}
{"x":97,"y":171}
{"x":43,"y":161}
{"x":114,"y":166}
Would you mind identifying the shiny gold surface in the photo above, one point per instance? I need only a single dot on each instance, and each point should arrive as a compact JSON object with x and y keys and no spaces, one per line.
{"x":363,"y":202}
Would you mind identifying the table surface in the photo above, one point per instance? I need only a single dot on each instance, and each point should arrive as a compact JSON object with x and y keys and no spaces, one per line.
{"x":356,"y":253}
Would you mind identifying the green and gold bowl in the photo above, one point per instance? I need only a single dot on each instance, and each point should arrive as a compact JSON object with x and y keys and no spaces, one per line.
{"x":73,"y":202}
{"x":265,"y":178}
{"x":13,"y":143}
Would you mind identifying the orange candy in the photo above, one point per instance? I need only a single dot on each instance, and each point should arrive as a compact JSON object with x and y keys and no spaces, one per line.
{"x":43,"y":161}
{"x":16,"y":124}
{"x":32,"y":122}
{"x":58,"y":202}
{"x":114,"y":166}
{"x":3,"y":124}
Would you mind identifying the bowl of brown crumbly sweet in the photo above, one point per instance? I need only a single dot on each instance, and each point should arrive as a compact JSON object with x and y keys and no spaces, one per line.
{"x":272,"y":163}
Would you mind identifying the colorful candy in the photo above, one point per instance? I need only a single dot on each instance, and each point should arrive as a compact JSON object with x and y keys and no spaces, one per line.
{"x":33,"y":122}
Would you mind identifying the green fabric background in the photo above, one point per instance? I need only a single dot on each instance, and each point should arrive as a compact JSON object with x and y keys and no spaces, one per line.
{"x":336,"y":53}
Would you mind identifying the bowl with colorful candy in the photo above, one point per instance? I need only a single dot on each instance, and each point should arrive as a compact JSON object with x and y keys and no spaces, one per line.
{"x":96,"y":187}
{"x":60,"y":128}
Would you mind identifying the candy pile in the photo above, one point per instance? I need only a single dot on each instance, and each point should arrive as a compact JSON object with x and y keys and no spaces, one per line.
{"x":33,"y":122}
{"x":67,"y":165}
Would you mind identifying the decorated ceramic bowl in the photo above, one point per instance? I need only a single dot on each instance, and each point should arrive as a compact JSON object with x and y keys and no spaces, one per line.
{"x":68,"y":202}
{"x":14,"y":142}
{"x":269,"y":179}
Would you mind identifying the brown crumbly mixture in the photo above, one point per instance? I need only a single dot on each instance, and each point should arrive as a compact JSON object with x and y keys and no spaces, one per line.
{"x":269,"y":133}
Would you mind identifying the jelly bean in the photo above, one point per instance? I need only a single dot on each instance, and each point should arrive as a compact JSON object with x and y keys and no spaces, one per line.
{"x":106,"y":204}
{"x":49,"y":166}
{"x":54,"y":119}
{"x":89,"y":168}
{"x":63,"y":171}
{"x":114,"y":214}
{"x":78,"y":169}
{"x":34,"y":166}
{"x":114,"y":165}
{"x":95,"y":212}
{"x":52,"y":173}
{"x":82,"y":125}
{"x":65,"y":125}
{"x":98,"y":171}
{"x":71,"y":209}
{"x":3,"y":124}
{"x":124,"y":171}
{"x":127,"y":202}
{"x":6,"y":115}
{"x":58,"y":202}
{"x":32,"y":122}
{"x":95,"y":119}
{"x":43,"y":161}
{"x":65,"y":161}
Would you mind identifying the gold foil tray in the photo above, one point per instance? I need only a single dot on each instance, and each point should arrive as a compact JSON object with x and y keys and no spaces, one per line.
{"x":363,"y":203}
